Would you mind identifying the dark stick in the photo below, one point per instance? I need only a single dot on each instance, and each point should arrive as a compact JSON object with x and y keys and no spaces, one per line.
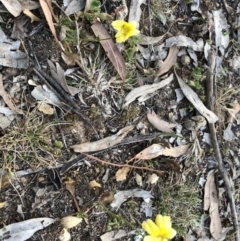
{"x":125,"y":141}
{"x":58,"y":89}
{"x":62,"y":95}
{"x":222,"y":170}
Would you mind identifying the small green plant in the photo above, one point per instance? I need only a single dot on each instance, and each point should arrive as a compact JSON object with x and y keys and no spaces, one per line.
{"x":113,"y":224}
{"x":181,"y":203}
{"x":95,"y":110}
{"x":95,"y":5}
{"x":94,"y":12}
{"x":82,"y":215}
{"x":197,"y":75}
{"x":29,"y":141}
{"x":69,"y":30}
{"x":59,"y":144}
{"x":131,"y":49}
{"x":196,"y":81}
{"x":117,"y":219}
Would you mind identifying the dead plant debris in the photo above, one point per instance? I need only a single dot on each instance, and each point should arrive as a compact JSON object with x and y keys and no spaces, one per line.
{"x":101,"y":131}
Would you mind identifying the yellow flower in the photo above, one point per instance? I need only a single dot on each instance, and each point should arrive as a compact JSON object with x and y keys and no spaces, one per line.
{"x":160,"y":231}
{"x":125,"y":30}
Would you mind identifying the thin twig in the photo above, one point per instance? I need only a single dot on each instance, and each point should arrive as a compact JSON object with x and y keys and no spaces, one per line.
{"x":228,"y":187}
{"x":59,"y":90}
{"x":122,"y":165}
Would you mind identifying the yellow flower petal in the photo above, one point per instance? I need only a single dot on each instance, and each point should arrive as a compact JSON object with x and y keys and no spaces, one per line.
{"x":170,"y":233}
{"x":148,"y":238}
{"x":118,"y":24}
{"x":151,"y":228}
{"x":159,"y":220}
{"x":163,"y":222}
{"x":165,"y":226}
{"x":120,"y":38}
{"x":125,"y":30}
{"x":151,"y":238}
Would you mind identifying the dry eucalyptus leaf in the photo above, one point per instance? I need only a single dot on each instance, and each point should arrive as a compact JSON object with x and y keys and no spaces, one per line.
{"x":233,"y":111}
{"x":48,"y":16}
{"x":159,"y":52}
{"x":160,"y":124}
{"x":113,"y":235}
{"x":138,"y":179}
{"x":150,"y":40}
{"x":221,"y":26}
{"x":13,"y":6}
{"x":211,"y":202}
{"x":7,"y":98}
{"x":146,"y":207}
{"x":93,"y":184}
{"x":59,"y":75}
{"x":32,"y":82}
{"x":145,"y":90}
{"x":169,"y":61}
{"x":23,"y":230}
{"x":194,"y":99}
{"x":121,"y":174}
{"x":5,"y":121}
{"x":150,"y":152}
{"x":176,"y":151}
{"x":20,"y":211}
{"x":152,"y":179}
{"x":19,"y":30}
{"x":44,"y":93}
{"x":111,"y":49}
{"x":103,"y":143}
{"x":64,"y":235}
{"x":207,"y":192}
{"x":14,"y":59}
{"x":70,"y":185}
{"x":46,"y":108}
{"x":106,"y":197}
{"x":156,"y":150}
{"x":68,"y":59}
{"x":5,"y":180}
{"x":74,"y":7}
{"x":31,"y":15}
{"x":122,"y":196}
{"x":11,"y":56}
{"x":2,"y":204}
{"x":228,"y":134}
{"x":183,"y":41}
{"x":70,"y":221}
{"x":106,"y":176}
{"x":6,"y":111}
{"x":28,"y":4}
